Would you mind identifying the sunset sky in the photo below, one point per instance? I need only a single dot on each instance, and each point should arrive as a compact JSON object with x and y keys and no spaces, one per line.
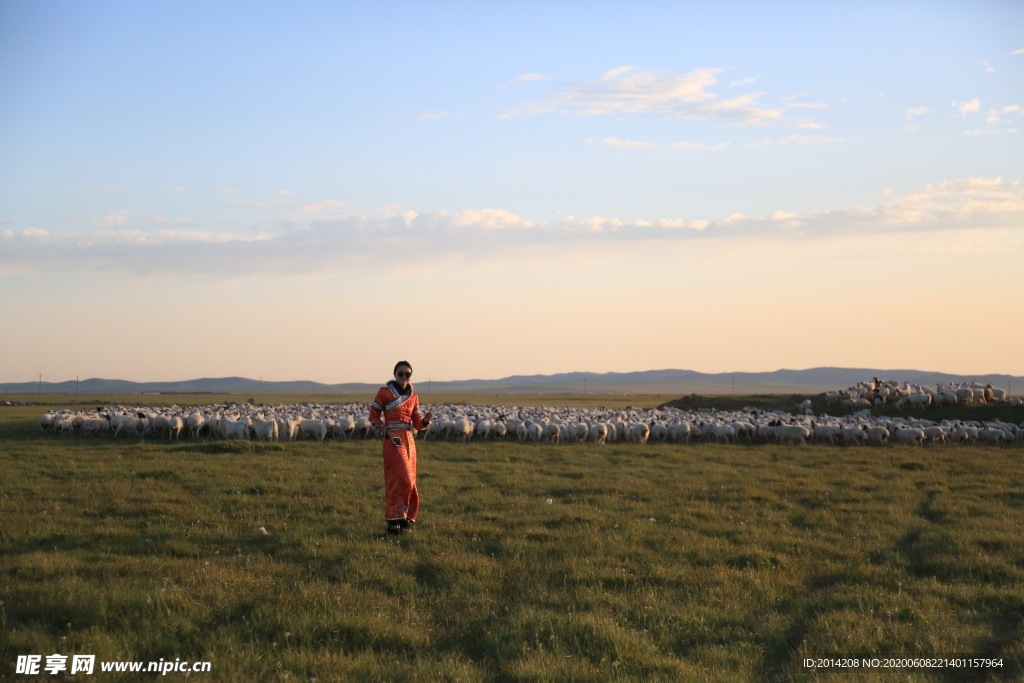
{"x":315,"y":190}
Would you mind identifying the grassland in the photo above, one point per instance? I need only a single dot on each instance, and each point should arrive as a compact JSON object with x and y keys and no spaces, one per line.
{"x":650,"y":563}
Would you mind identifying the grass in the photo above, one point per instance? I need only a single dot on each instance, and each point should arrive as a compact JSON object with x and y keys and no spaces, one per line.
{"x":650,"y":563}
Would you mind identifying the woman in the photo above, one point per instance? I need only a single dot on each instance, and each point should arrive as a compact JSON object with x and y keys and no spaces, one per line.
{"x":395,"y":412}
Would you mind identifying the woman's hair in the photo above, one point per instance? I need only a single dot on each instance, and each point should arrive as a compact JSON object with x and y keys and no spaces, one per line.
{"x":400,"y":364}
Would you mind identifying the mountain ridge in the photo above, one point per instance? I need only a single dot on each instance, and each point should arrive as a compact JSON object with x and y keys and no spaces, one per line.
{"x":645,"y":381}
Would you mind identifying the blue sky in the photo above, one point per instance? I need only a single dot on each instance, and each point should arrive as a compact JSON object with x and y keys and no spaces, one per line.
{"x":716,"y":188}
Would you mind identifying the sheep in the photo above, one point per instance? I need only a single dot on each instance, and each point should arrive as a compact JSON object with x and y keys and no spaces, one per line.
{"x":853,"y":435}
{"x":462,"y":428}
{"x":877,"y":435}
{"x":659,"y":431}
{"x":235,"y":429}
{"x":175,"y":426}
{"x":535,"y":431}
{"x":994,"y":435}
{"x":312,"y":427}
{"x":264,"y":429}
{"x":680,"y":432}
{"x":343,"y":427}
{"x":599,"y":432}
{"x":827,"y":433}
{"x":133,"y":425}
{"x":551,"y":433}
{"x":638,"y":433}
{"x":909,"y":435}
{"x":96,"y":426}
{"x":579,"y":432}
{"x":195,"y":421}
{"x":792,"y":434}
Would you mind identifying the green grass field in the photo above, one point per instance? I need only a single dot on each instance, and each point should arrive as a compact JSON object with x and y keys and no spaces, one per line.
{"x":661,"y":562}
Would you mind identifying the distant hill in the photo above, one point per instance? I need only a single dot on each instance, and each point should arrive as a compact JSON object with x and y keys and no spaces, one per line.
{"x":672,"y":382}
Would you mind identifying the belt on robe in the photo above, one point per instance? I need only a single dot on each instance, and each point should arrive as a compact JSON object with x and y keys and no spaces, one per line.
{"x":399,"y":425}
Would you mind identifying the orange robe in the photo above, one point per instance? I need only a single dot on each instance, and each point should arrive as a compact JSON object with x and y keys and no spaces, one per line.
{"x":396,"y":415}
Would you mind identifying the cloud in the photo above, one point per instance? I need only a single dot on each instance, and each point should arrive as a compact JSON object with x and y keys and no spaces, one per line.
{"x":969,"y":107}
{"x":809,"y":140}
{"x":285,"y":194}
{"x":433,"y":115}
{"x":916,"y":112}
{"x":990,"y":131}
{"x":326,"y":206}
{"x":228,"y":190}
{"x":685,"y":144}
{"x":743,"y":82}
{"x":361,"y":242}
{"x":1018,"y":52}
{"x":111,"y":220}
{"x":530,"y":78}
{"x":630,"y":90}
{"x":177,"y":190}
{"x":628,"y":144}
{"x":989,"y":68}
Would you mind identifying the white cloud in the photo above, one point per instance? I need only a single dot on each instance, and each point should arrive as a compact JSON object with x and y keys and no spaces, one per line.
{"x":807,"y":105}
{"x":631,"y":90}
{"x":685,"y":144}
{"x":915,"y":112}
{"x":743,"y":82}
{"x":809,"y":140}
{"x":489,"y":219}
{"x":989,"y":69}
{"x":228,"y":190}
{"x":285,"y":194}
{"x":810,"y":125}
{"x":531,"y":78}
{"x":628,"y":144}
{"x":177,"y":190}
{"x":359,"y":241}
{"x":1018,"y":52}
{"x":433,"y":115}
{"x":1013,"y":109}
{"x":990,"y":131}
{"x":969,"y":107}
{"x":111,"y":220}
{"x":326,"y":206}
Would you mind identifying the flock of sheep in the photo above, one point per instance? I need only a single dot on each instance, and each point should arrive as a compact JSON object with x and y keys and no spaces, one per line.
{"x":548,"y":424}
{"x":905,"y":396}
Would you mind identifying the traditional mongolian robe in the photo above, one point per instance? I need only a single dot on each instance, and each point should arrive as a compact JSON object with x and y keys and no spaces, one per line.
{"x":396,"y":414}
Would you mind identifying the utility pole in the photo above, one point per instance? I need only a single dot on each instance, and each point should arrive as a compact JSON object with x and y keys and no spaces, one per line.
{"x":40,"y":382}
{"x":76,"y":385}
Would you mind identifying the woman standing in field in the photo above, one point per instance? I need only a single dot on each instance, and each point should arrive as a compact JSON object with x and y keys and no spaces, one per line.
{"x":395,"y":412}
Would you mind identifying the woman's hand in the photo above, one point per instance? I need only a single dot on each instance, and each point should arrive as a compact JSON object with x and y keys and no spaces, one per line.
{"x":427,"y":418}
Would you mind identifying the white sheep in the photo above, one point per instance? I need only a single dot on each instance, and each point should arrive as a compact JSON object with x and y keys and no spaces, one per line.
{"x":264,"y":429}
{"x":312,"y":427}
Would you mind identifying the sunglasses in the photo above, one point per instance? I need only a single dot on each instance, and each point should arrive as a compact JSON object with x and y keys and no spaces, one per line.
{"x":403,"y":373}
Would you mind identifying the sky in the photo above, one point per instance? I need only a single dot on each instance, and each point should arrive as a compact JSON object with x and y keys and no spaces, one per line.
{"x":316,"y":190}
